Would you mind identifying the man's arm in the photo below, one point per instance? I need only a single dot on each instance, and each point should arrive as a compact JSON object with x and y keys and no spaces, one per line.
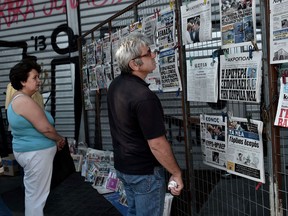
{"x":162,"y":151}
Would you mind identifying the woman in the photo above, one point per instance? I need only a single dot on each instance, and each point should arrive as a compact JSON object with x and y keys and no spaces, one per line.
{"x":34,"y":137}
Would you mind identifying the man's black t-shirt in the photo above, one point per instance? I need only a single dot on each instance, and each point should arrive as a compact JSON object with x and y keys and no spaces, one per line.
{"x":135,"y":116}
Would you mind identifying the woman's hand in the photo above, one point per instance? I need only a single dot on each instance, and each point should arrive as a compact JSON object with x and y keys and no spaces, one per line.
{"x":60,"y":143}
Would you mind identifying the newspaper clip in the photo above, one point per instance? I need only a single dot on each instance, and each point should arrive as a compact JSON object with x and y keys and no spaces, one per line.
{"x":178,"y":92}
{"x":225,"y":114}
{"x":255,"y":45}
{"x":171,"y":3}
{"x":190,"y":59}
{"x":258,"y":185}
{"x":248,"y":116}
{"x":156,"y":12}
{"x":225,"y":52}
{"x":284,"y":76}
{"x":252,"y":48}
{"x":214,"y":55}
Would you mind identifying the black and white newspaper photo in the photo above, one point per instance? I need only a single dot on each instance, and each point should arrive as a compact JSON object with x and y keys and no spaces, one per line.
{"x":238,"y":22}
{"x":93,"y":85}
{"x":213,"y":130}
{"x":115,"y":40}
{"x":170,"y":76}
{"x":108,"y":74}
{"x":149,"y":25}
{"x":154,"y":78}
{"x":202,"y":80}
{"x":100,"y":76}
{"x":196,"y":22}
{"x":106,"y":44}
{"x":99,"y":53}
{"x":245,"y":149}
{"x":166,"y":28}
{"x":278,"y":32}
{"x":241,"y":77}
{"x":281,"y":118}
{"x":90,"y":55}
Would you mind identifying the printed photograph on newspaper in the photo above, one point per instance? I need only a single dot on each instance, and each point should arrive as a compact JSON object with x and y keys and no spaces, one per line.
{"x":245,"y":149}
{"x":278,"y":32}
{"x":281,"y":118}
{"x":213,"y":140}
{"x":238,"y":22}
{"x":196,"y":22}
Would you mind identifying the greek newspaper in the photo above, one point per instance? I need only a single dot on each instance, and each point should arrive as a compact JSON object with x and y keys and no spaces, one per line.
{"x":202,"y":81}
{"x":196,"y":22}
{"x":278,"y":31}
{"x":213,"y":140}
{"x":245,"y":149}
{"x":238,"y":23}
{"x":281,"y":118}
{"x":241,"y":77}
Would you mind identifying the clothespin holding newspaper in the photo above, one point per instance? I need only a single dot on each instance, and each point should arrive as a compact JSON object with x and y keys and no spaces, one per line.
{"x":258,"y":185}
{"x":190,"y":59}
{"x":139,"y":23}
{"x":225,"y":52}
{"x":249,"y":116}
{"x":214,"y":55}
{"x":178,"y":92}
{"x":252,"y":48}
{"x":156,"y":13}
{"x":284,"y":76}
{"x":172,"y":3}
{"x":224,"y":115}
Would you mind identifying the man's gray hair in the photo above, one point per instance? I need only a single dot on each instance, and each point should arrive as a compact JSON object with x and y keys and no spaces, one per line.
{"x":130,"y":48}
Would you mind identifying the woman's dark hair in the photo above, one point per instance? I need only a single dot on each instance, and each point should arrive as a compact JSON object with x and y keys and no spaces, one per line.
{"x":19,"y":73}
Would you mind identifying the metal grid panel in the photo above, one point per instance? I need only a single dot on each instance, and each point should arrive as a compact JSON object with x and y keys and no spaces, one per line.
{"x":208,"y":191}
{"x":216,"y":192}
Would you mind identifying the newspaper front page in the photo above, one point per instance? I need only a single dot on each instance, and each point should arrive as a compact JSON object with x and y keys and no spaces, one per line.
{"x":170,"y":76}
{"x":202,"y":81}
{"x":245,"y":149}
{"x":278,"y":32}
{"x":166,"y":28}
{"x":241,"y":77}
{"x":213,"y":140}
{"x":238,"y":22}
{"x":196,"y":22}
{"x":281,"y":118}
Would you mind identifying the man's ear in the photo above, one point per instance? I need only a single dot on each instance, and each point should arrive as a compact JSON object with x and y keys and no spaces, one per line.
{"x":133,"y":65}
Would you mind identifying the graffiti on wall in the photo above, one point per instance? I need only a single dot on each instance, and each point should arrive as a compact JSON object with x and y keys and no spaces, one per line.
{"x":12,"y":11}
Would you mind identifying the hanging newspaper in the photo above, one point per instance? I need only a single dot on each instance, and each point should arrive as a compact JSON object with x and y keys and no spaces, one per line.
{"x":106,"y":49}
{"x":93,"y":85}
{"x":213,"y":140}
{"x":281,"y":118}
{"x":166,"y":28}
{"x":170,"y":76}
{"x":149,"y":28}
{"x":245,"y":149}
{"x":278,"y":32}
{"x":238,"y":22}
{"x":100,"y":76}
{"x":241,"y":77}
{"x":194,"y":14}
{"x":202,"y":80}
{"x":154,"y":79}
